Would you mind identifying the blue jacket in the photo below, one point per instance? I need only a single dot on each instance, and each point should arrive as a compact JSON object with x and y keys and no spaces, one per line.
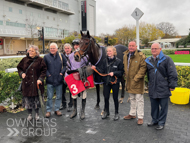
{"x":54,"y":65}
{"x":159,"y":84}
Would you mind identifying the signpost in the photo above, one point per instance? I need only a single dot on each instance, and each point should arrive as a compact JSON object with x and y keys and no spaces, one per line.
{"x":137,"y":14}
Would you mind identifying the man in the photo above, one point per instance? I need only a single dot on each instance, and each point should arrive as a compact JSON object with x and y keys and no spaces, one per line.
{"x":73,"y":65}
{"x":66,"y":53}
{"x":162,"y":76}
{"x":56,"y":66}
{"x":135,"y":70}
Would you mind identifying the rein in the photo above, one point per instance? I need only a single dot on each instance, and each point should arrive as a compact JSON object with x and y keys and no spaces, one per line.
{"x":101,"y":74}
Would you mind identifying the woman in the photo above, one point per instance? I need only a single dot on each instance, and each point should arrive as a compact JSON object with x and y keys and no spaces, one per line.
{"x":32,"y":70}
{"x":113,"y":67}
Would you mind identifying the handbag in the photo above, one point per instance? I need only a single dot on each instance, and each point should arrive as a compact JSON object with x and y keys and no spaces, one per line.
{"x":20,"y":85}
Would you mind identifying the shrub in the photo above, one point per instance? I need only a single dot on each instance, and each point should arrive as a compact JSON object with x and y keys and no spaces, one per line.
{"x":9,"y":63}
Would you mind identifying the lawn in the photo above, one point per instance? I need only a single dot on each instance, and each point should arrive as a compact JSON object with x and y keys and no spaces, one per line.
{"x":179,"y":58}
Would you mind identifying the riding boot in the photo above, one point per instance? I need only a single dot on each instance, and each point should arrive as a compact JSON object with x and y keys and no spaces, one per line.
{"x":82,"y":113}
{"x":75,"y":109}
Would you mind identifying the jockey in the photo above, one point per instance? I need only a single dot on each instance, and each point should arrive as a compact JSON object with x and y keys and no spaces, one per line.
{"x":73,"y":65}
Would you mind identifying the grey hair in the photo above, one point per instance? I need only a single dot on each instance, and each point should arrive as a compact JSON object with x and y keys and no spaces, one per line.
{"x":67,"y":45}
{"x":54,"y":44}
{"x":35,"y":48}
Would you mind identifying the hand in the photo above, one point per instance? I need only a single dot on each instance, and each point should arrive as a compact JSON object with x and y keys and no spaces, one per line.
{"x":93,"y":67}
{"x":111,"y":74}
{"x":39,"y":82}
{"x":23,"y":75}
{"x":172,"y":89}
{"x":61,"y":74}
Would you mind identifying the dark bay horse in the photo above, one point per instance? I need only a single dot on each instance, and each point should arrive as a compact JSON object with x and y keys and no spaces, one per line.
{"x":96,"y":54}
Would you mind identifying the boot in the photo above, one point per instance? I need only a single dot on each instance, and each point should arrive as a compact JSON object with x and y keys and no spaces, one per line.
{"x":82,"y":113}
{"x":75,"y":109}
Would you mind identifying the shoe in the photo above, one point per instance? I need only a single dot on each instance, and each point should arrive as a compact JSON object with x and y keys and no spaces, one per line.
{"x":159,"y":127}
{"x":69,"y":109}
{"x":58,"y":113}
{"x":48,"y":114}
{"x":121,"y":100}
{"x":116,"y":117}
{"x":152,"y":124}
{"x":37,"y":117}
{"x":140,"y":121}
{"x":104,"y":115}
{"x":129,"y":117}
{"x":62,"y":107}
{"x":29,"y":118}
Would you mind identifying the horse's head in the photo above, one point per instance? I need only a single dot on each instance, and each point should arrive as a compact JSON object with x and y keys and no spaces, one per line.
{"x":84,"y":45}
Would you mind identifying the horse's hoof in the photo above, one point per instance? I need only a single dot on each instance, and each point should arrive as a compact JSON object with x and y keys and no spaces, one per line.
{"x":97,"y":107}
{"x":121,"y":100}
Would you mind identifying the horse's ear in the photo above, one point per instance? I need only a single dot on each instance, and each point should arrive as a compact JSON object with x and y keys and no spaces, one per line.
{"x":81,"y":33}
{"x":88,"y":34}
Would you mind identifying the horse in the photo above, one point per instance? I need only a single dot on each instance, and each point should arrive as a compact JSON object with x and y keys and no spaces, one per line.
{"x":96,"y":54}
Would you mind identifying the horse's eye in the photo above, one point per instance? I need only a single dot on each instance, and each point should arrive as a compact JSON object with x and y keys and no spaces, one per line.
{"x":86,"y":43}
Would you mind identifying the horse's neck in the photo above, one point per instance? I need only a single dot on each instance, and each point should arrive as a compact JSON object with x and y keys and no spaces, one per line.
{"x":94,"y":54}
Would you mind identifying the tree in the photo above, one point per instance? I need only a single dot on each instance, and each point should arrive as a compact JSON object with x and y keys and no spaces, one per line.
{"x":125,"y":34}
{"x":149,"y":32}
{"x":31,"y":27}
{"x":167,"y":28}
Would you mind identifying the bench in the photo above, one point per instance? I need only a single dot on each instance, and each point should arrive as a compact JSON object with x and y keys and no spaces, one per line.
{"x":21,"y":52}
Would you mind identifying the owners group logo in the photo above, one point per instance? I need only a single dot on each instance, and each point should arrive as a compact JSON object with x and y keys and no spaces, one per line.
{"x":22,"y":127}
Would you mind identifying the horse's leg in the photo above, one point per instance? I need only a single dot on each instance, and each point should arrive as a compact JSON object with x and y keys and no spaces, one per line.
{"x":98,"y":96}
{"x":122,"y":90}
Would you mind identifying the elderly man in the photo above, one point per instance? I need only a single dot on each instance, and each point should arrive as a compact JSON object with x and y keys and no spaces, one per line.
{"x":66,"y":53}
{"x":162,"y":76}
{"x":56,"y":66}
{"x":135,"y":70}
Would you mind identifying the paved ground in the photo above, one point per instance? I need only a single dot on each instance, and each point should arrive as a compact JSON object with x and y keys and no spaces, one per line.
{"x":95,"y":130}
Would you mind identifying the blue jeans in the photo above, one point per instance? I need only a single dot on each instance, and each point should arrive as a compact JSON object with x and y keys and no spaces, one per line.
{"x":50,"y":92}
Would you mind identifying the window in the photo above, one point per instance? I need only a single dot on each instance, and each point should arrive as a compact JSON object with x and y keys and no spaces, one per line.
{"x":39,"y":15}
{"x":10,"y":9}
{"x":47,"y":17}
{"x":31,"y":14}
{"x":15,"y":24}
{"x":54,"y":19}
{"x":1,"y":22}
{"x":20,"y":11}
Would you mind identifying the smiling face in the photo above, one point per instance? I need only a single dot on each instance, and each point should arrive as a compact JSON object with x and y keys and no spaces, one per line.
{"x":32,"y":52}
{"x":132,"y":46}
{"x":155,"y":49}
{"x":110,"y":52}
{"x":53,"y":49}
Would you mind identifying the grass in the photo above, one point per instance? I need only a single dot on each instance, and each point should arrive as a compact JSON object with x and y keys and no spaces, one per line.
{"x":179,"y":58}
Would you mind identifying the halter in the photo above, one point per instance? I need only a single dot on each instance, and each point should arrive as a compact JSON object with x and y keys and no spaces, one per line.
{"x":85,"y":51}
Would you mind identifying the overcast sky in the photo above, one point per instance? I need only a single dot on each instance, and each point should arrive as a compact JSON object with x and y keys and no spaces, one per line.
{"x":114,"y":14}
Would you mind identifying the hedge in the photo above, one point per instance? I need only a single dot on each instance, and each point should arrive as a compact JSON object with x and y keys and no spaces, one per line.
{"x":9,"y":83}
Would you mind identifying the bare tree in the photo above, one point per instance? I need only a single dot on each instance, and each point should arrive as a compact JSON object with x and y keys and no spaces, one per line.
{"x":31,"y":27}
{"x":167,"y":28}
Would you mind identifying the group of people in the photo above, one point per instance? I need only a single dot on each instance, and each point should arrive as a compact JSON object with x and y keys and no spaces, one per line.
{"x":54,"y":66}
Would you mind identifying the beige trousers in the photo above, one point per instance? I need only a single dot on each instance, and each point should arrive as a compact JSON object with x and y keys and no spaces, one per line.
{"x":137,"y":105}
{"x":83,"y":95}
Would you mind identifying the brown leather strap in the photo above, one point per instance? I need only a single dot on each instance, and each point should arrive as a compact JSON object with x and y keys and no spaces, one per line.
{"x":101,"y":74}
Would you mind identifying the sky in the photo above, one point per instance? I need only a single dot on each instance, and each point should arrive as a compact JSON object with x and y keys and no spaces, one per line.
{"x":114,"y":14}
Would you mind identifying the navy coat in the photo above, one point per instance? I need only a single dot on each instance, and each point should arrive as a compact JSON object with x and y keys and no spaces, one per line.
{"x":158,"y":85}
{"x":54,"y":65}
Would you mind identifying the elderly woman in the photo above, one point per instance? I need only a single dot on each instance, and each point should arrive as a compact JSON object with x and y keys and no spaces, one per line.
{"x":113,"y":67}
{"x":32,"y":70}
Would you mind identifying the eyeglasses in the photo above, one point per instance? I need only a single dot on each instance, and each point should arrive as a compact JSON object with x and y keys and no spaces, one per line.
{"x":155,"y":48}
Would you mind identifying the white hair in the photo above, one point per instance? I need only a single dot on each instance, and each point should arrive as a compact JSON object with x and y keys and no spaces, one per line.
{"x":67,"y":45}
{"x":54,"y":45}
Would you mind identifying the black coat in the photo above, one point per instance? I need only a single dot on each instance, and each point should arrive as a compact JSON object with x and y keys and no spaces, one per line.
{"x":114,"y":65}
{"x":159,"y":83}
{"x":54,"y":65}
{"x":37,"y":71}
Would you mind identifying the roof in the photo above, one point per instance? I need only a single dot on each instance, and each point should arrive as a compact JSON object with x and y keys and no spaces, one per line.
{"x":170,"y":40}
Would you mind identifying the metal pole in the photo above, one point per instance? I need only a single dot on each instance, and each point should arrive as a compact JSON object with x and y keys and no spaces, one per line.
{"x":137,"y":33}
{"x":43,"y":40}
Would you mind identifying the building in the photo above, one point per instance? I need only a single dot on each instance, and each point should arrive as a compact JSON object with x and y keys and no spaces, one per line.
{"x":167,"y":43}
{"x":21,"y":19}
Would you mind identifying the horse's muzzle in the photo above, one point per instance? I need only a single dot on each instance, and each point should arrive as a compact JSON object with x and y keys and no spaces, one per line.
{"x":77,"y":58}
